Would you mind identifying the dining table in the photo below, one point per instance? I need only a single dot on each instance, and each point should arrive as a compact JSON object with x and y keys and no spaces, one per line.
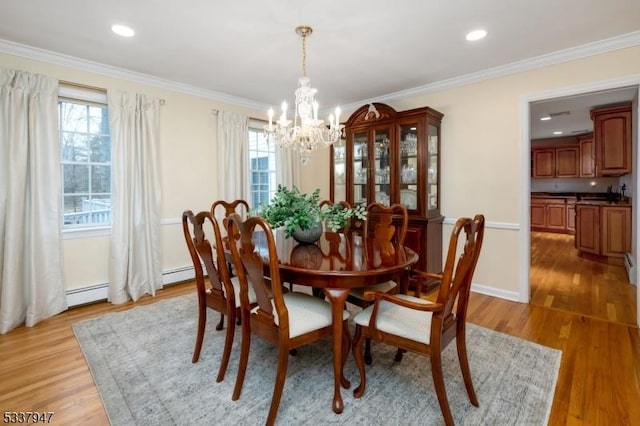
{"x":337,"y":263}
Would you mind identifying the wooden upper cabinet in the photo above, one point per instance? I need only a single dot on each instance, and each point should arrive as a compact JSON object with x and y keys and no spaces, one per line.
{"x":544,"y":162}
{"x":612,"y":138}
{"x":567,"y":161}
{"x":555,"y":161}
{"x":587,"y":155}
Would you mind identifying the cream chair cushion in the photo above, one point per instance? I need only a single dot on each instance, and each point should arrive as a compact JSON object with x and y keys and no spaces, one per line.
{"x":306,"y":313}
{"x":235,"y":282}
{"x":398,"y":320}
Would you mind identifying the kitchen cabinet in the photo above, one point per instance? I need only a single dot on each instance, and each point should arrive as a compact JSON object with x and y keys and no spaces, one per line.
{"x":603,"y":230}
{"x":567,"y":161}
{"x":394,"y":157}
{"x":544,"y":162}
{"x":588,"y":228}
{"x":548,"y":214}
{"x":616,"y":230}
{"x":612,"y":138}
{"x":587,"y":155}
{"x":555,"y":162}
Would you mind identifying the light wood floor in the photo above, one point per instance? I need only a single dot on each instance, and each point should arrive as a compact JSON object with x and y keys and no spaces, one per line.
{"x":560,"y":279}
{"x":43,"y":369}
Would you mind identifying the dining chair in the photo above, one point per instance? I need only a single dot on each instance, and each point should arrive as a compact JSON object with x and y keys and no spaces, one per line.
{"x":424,"y":327}
{"x":388,"y":228}
{"x":219,"y":291}
{"x":287,"y":320}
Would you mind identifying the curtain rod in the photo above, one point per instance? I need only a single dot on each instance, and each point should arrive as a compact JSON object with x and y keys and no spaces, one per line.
{"x":93,"y":88}
{"x":215,"y":112}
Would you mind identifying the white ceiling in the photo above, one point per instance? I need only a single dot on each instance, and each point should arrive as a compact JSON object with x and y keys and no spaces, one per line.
{"x":571,"y":115}
{"x":359,"y":51}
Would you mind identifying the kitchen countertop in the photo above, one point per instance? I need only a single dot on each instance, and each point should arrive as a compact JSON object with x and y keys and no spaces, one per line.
{"x":585,"y":198}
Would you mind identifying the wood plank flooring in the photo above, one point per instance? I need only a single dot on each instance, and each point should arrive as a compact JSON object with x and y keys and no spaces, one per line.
{"x":560,"y":279}
{"x":42,"y":368}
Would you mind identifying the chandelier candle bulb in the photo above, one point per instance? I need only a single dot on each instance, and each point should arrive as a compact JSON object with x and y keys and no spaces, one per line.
{"x":315,"y":110}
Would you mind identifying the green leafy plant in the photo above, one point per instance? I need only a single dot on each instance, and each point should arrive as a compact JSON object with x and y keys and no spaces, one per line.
{"x":291,"y":209}
{"x":336,"y":216}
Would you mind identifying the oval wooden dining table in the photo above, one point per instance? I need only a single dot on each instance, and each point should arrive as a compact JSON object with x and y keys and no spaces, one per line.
{"x":337,"y":263}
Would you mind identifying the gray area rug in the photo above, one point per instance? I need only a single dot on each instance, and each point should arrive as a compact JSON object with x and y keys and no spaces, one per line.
{"x":141,"y":362}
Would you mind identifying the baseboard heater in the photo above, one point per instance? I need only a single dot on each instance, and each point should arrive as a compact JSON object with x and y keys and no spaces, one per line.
{"x":630,"y":266}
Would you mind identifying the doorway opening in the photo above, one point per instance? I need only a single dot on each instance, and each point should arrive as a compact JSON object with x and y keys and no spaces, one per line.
{"x":559,"y":278}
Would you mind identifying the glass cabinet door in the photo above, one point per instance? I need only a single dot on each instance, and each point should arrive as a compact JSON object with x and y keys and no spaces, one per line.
{"x":433,"y":164}
{"x":360,"y":169}
{"x":339,"y":173}
{"x":409,"y":166}
{"x":381,"y":166}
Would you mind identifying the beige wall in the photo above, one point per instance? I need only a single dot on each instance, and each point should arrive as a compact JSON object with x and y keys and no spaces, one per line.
{"x":482,"y":148}
{"x":482,"y":166}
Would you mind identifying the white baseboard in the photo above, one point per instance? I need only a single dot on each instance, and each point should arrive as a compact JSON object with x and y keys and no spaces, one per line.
{"x":99,"y":292}
{"x":496,"y":292}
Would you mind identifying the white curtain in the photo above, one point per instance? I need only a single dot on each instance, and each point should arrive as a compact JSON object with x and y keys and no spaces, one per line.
{"x":288,"y":167}
{"x":135,"y":266}
{"x":31,"y":281}
{"x":233,"y":156}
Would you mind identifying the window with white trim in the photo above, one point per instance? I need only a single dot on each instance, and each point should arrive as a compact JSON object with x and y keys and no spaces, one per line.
{"x":85,"y":160}
{"x":262,"y":168}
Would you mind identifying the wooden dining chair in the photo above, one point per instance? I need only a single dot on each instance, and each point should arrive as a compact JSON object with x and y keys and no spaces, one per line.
{"x":388,"y":228}
{"x":218,"y":291}
{"x":287,"y":320}
{"x":426,"y":328}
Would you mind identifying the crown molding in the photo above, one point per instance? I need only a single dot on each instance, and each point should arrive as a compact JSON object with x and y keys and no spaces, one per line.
{"x":29,"y":52}
{"x":558,"y":57}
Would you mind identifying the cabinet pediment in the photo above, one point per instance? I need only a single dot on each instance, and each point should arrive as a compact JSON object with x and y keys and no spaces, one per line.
{"x":371,"y":113}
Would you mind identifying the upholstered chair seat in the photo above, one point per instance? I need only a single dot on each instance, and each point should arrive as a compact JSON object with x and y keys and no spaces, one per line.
{"x":306,"y":313}
{"x":398,"y":320}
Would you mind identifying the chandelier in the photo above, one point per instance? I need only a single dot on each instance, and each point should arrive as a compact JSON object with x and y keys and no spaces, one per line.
{"x":305,"y":133}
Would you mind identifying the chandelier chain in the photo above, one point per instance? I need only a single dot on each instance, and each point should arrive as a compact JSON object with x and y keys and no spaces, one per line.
{"x":304,"y":55}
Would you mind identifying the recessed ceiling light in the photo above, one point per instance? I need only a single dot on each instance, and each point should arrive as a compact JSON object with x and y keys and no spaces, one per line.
{"x":122,"y":30}
{"x":545,"y":118}
{"x":476,"y":35}
{"x":557,"y":132}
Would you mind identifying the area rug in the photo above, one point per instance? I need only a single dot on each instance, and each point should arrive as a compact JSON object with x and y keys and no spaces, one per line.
{"x":140,"y":360}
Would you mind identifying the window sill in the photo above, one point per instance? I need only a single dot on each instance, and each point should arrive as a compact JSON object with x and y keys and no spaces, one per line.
{"x":98,"y":231}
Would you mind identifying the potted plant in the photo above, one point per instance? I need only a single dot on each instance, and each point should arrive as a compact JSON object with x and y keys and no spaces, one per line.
{"x":295,"y":211}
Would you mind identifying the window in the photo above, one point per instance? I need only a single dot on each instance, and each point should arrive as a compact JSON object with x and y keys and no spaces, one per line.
{"x":262,"y":169}
{"x":86,"y":163}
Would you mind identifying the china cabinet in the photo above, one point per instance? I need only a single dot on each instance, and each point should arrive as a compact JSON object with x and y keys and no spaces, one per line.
{"x":394,"y":157}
